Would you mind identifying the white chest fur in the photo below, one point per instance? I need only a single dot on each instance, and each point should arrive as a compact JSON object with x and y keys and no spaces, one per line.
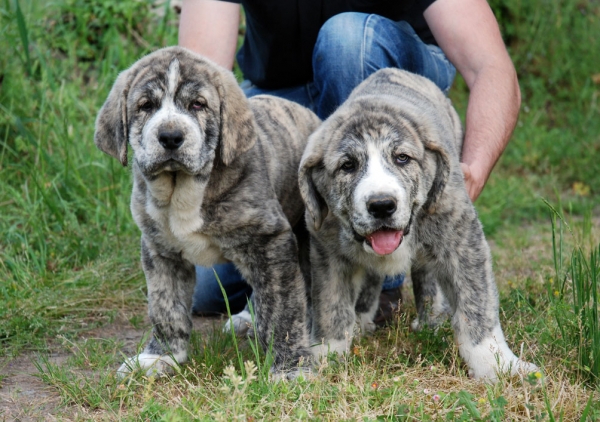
{"x":175,"y":205}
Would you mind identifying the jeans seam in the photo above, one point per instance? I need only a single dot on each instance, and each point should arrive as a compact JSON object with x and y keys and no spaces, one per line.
{"x":363,"y":48}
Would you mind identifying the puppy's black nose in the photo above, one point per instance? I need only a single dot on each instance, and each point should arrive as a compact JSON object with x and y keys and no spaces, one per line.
{"x":381,"y":207}
{"x":170,"y":139}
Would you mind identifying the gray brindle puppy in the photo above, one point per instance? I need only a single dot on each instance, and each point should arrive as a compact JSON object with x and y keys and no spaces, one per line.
{"x":215,"y":180}
{"x":385,"y":194}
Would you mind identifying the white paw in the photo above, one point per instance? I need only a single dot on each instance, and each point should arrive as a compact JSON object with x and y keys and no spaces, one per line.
{"x":241,"y":323}
{"x":490,"y":373}
{"x":367,"y":326}
{"x":321,"y":350}
{"x":291,"y":375}
{"x":154,"y":365}
{"x":433,"y":321}
{"x":521,"y":367}
{"x":492,"y":357}
{"x":415,"y":325}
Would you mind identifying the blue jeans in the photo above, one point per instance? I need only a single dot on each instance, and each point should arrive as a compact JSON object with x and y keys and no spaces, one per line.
{"x":350,"y":47}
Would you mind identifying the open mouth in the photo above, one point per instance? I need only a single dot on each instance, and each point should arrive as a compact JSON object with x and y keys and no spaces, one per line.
{"x":384,"y":240}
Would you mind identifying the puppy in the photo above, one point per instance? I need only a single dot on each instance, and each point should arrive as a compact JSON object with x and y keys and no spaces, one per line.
{"x":214,"y":180}
{"x":385,"y":194}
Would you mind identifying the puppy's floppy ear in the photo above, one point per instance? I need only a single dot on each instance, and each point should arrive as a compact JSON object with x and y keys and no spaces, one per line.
{"x":238,"y":133}
{"x":315,"y":204}
{"x":450,"y":127}
{"x":111,"y":133}
{"x":442,"y":172}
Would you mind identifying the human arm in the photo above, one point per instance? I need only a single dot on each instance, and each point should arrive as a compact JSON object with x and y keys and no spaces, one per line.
{"x":468,"y":33}
{"x":210,"y":28}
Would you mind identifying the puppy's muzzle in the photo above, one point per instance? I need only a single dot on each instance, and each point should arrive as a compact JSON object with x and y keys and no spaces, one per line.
{"x":170,"y":139}
{"x":381,"y":207}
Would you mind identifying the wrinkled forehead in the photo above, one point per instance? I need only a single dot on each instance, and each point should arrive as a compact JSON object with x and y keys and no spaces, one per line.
{"x":357,"y":133}
{"x":175,"y":77}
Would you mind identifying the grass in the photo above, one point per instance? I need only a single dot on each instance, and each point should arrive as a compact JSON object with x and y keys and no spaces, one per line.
{"x":63,"y":203}
{"x":579,"y":321}
{"x":69,"y":248}
{"x":397,"y":375}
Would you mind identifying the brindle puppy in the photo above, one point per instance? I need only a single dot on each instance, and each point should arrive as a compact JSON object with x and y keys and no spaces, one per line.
{"x":384,"y":192}
{"x":215,"y":180}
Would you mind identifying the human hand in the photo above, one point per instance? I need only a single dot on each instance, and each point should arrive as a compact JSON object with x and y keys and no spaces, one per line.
{"x":474,"y":183}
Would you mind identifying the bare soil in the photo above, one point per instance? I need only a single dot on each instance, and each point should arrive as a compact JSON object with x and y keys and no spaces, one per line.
{"x":24,"y":397}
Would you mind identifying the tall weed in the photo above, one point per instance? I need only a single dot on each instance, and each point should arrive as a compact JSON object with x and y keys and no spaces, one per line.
{"x":575,"y":297}
{"x":62,"y":201}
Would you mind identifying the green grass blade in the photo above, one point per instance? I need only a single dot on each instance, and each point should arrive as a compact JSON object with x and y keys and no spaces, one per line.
{"x":587,"y":409}
{"x":24,"y":35}
{"x":232,"y":330}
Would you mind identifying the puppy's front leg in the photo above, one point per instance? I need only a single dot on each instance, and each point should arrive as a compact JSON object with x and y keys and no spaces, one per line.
{"x":170,"y":280}
{"x":468,"y":283}
{"x":333,"y":302}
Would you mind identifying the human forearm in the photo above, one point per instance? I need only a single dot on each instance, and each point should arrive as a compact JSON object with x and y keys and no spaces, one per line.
{"x":492,"y":113}
{"x":210,"y":28}
{"x":468,"y":33}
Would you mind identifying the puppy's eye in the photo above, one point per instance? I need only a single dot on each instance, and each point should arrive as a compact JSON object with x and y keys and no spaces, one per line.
{"x":197,"y":106}
{"x":402,"y":159}
{"x":146,"y":106}
{"x":348,"y":166}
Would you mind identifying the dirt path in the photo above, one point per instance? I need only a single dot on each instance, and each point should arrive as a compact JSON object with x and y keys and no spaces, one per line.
{"x":24,"y":397}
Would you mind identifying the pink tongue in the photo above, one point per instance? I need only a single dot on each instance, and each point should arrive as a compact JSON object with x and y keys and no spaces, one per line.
{"x":385,"y":242}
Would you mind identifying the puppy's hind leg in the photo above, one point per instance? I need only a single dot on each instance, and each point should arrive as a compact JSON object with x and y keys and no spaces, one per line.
{"x":170,"y":282}
{"x":240,"y":323}
{"x":433,"y":307}
{"x":279,"y":299}
{"x":368,"y":302}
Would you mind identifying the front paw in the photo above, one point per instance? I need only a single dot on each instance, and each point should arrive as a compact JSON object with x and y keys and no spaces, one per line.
{"x":492,"y":358}
{"x":153,"y":365}
{"x":490,"y":373}
{"x":300,"y":372}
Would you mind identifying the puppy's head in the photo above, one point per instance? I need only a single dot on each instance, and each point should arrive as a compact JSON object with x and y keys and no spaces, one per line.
{"x":178,"y":111}
{"x":377,"y":161}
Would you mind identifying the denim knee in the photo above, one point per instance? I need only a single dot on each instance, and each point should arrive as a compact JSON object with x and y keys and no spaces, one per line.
{"x":351,"y":46}
{"x":340,"y":40}
{"x":337,"y":59}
